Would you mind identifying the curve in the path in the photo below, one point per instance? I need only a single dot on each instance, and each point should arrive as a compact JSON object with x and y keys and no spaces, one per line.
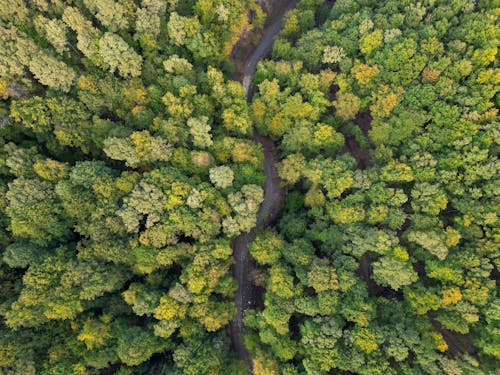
{"x":274,"y":198}
{"x":264,"y":48}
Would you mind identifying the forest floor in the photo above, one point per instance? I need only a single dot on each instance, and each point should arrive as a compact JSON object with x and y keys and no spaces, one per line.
{"x":274,"y":195}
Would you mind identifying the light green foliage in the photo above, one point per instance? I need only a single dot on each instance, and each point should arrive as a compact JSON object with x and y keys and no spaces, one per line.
{"x":77,"y":22}
{"x":222,"y":176}
{"x":157,"y":6}
{"x":429,"y":199}
{"x":194,"y":200}
{"x":139,"y":148}
{"x":87,"y":34}
{"x":177,"y":65}
{"x":280,"y":283}
{"x":56,"y":288}
{"x":51,"y":72}
{"x":431,"y":241}
{"x":200,"y":131}
{"x":370,"y":42}
{"x":110,"y":13}
{"x":63,"y":116}
{"x":275,"y":112}
{"x":10,"y":65}
{"x":22,"y":254}
{"x":14,"y":10}
{"x":55,"y":31}
{"x":393,"y":272}
{"x":147,"y":22}
{"x":118,"y":55}
{"x":290,"y":169}
{"x":144,"y":201}
{"x":347,"y":105}
{"x":34,"y":211}
{"x":245,"y":205}
{"x":333,"y":55}
{"x":176,"y":29}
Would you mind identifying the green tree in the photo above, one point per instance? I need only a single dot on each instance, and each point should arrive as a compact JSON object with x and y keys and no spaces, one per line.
{"x":267,"y":247}
{"x":138,"y":149}
{"x":135,"y":345}
{"x":347,"y":105}
{"x":118,"y":55}
{"x":35,"y":211}
{"x":200,"y":131}
{"x":51,"y":72}
{"x":55,"y":31}
{"x":222,"y":176}
{"x":111,"y":14}
{"x":393,"y":272}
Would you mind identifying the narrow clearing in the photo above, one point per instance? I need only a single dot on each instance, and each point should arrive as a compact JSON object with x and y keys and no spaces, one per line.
{"x":274,"y":198}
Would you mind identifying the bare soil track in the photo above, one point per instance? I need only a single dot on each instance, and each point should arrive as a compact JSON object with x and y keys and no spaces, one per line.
{"x":274,"y":198}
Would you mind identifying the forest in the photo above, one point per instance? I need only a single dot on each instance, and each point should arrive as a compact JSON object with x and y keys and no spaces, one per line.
{"x":130,"y":164}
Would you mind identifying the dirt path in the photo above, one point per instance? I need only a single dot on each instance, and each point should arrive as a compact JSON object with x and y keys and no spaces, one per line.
{"x":274,"y":198}
{"x":264,"y":47}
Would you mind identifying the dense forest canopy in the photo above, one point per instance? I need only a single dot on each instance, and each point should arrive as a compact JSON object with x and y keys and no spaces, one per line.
{"x":387,"y":119}
{"x":128,"y":164}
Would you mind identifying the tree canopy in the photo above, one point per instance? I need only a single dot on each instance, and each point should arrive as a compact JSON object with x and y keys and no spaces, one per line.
{"x":129,"y":166}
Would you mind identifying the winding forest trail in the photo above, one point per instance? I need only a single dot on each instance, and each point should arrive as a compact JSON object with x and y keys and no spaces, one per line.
{"x":274,"y":199}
